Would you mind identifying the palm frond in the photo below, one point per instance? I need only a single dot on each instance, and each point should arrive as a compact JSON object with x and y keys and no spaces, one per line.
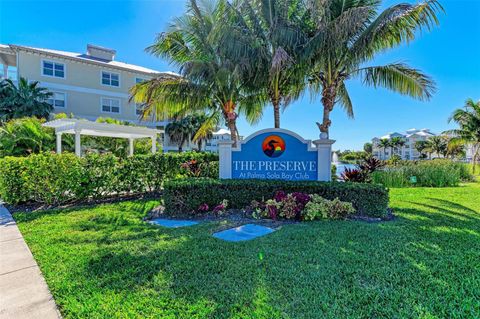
{"x":400,"y":78}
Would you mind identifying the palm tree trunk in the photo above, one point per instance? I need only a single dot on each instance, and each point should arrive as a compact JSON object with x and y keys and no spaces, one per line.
{"x":328,"y":101}
{"x":232,"y":126}
{"x":276,"y":113}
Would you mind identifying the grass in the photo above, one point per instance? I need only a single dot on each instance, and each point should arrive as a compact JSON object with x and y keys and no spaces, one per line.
{"x":103,"y":262}
{"x":435,"y":173}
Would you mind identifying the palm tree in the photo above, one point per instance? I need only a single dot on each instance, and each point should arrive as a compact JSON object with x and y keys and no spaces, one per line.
{"x":384,"y":143}
{"x":180,"y":132}
{"x":421,"y":147}
{"x":28,"y":99}
{"x":346,"y":35}
{"x":210,"y":81}
{"x":198,"y":121}
{"x":468,"y":133}
{"x":268,"y":36}
{"x":395,"y":143}
{"x":437,"y":144}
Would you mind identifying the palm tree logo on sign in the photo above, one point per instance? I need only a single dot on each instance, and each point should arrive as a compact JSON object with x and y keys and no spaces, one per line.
{"x":273,"y":146}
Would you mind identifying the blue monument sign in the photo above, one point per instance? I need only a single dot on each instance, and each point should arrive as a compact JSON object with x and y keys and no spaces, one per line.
{"x":276,"y":154}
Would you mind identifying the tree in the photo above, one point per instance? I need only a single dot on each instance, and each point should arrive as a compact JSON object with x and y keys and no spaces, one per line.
{"x":180,"y":132}
{"x":346,"y":35}
{"x":368,"y":147}
{"x":395,"y":143}
{"x":210,"y":80}
{"x":437,"y":144}
{"x":468,"y":132}
{"x":384,"y":143}
{"x":421,"y":147}
{"x":198,"y":122}
{"x":28,"y":99}
{"x":269,"y":37}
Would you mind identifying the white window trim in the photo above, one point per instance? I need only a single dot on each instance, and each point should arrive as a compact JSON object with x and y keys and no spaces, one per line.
{"x":65,"y":101}
{"x":53,"y":76}
{"x":108,"y":85}
{"x":110,"y":98}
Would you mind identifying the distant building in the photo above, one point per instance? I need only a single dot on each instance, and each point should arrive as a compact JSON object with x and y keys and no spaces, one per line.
{"x":210,"y":145}
{"x":408,"y":150}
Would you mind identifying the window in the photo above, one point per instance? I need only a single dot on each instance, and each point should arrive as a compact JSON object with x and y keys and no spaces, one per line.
{"x":110,"y":105}
{"x":139,"y":80}
{"x":53,"y":69}
{"x":112,"y":79}
{"x":57,"y":99}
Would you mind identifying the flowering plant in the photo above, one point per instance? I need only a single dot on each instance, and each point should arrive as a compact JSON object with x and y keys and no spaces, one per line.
{"x":220,"y":208}
{"x":203,"y":208}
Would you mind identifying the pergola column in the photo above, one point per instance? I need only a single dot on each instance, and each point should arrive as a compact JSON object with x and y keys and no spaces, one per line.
{"x":59,"y":143}
{"x":154,"y":144}
{"x":130,"y":146}
{"x":78,"y":146}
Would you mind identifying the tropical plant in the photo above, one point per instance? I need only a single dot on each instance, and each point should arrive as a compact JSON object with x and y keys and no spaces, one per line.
{"x":21,"y":137}
{"x":384,"y":143}
{"x":395,"y":143}
{"x":210,"y":81}
{"x":269,"y":37}
{"x":345,"y":35}
{"x":468,"y":133}
{"x":199,"y":123}
{"x":422,"y":148}
{"x":370,"y":164}
{"x":368,"y":148}
{"x":180,"y":132}
{"x":438,"y":145}
{"x":26,"y":99}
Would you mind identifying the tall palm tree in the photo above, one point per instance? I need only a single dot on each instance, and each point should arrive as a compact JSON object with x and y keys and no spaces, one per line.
{"x":26,"y":99}
{"x":395,"y":143}
{"x":384,"y":143}
{"x":346,"y":35}
{"x":267,"y":33}
{"x":468,"y":133}
{"x":210,"y":81}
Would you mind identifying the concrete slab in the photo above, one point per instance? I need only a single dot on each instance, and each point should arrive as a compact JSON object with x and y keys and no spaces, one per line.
{"x":23,"y":290}
{"x":173,"y":223}
{"x":244,"y":232}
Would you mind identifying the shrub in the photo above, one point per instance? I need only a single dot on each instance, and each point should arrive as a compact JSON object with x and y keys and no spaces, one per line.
{"x":435,"y":173}
{"x":59,"y":178}
{"x":186,"y":195}
{"x":321,"y":208}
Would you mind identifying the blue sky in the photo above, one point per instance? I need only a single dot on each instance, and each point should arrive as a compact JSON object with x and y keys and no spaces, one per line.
{"x":449,"y":53}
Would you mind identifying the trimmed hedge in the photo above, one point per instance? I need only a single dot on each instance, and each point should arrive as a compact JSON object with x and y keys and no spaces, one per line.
{"x":185,"y":196}
{"x":59,"y":178}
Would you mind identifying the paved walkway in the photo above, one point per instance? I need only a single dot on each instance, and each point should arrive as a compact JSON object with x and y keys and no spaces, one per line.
{"x":23,"y":291}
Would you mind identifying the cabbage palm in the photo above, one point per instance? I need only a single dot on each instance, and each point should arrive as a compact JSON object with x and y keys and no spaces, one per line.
{"x":468,"y":133}
{"x":395,"y":143}
{"x":23,"y":100}
{"x":210,"y":81}
{"x":346,"y":35}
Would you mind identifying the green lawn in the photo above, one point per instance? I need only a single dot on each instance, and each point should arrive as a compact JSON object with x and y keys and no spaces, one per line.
{"x":104,"y":262}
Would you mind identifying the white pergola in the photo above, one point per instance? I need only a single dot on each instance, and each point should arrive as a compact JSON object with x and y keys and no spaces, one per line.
{"x":84,"y":127}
